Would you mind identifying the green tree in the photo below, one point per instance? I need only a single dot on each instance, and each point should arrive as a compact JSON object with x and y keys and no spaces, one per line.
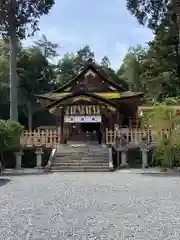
{"x":131,"y":68}
{"x":149,"y":12}
{"x":160,"y":66}
{"x":10,"y":132}
{"x":105,"y":63}
{"x":82,"y":56}
{"x":71,"y":64}
{"x":66,"y":69}
{"x":47,"y":48}
{"x":165,"y":124}
{"x":15,"y":16}
{"x":156,"y":14}
{"x":36,"y":76}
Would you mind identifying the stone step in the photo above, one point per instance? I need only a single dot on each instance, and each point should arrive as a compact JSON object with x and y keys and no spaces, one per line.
{"x":82,"y":148}
{"x":79,"y":164}
{"x":94,"y":160}
{"x":81,"y":168}
{"x":80,"y":158}
{"x":81,"y":161}
{"x":82,"y":152}
{"x":83,"y":157}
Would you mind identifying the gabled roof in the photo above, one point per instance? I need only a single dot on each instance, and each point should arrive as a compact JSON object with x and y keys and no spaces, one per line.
{"x":127,"y":94}
{"x":98,"y":70}
{"x":82,"y":93}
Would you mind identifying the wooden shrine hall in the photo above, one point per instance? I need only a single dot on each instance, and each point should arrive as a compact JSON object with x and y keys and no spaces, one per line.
{"x":89,"y":104}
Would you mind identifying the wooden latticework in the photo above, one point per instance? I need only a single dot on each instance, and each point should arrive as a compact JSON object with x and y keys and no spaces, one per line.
{"x":47,"y":138}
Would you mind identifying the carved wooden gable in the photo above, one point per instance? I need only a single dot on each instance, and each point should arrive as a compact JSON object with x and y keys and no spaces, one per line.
{"x":92,"y":82}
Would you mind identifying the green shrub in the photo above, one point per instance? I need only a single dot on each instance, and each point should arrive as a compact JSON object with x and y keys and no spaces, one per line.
{"x":164,"y":122}
{"x":10,"y":132}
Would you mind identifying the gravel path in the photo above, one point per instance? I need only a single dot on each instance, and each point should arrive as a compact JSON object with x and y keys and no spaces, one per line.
{"x":90,"y":206}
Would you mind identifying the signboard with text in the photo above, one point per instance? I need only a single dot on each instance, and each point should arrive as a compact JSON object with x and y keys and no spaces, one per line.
{"x":83,"y":119}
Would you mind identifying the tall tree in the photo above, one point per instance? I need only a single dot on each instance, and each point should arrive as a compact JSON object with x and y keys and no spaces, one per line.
{"x":66,"y":69}
{"x":131,"y":69}
{"x":36,"y":76}
{"x":156,"y":13}
{"x":15,"y":16}
{"x":70,"y":65}
{"x":160,"y":66}
{"x":149,"y":12}
{"x":105,"y":63}
{"x":47,"y":48}
{"x":82,"y":56}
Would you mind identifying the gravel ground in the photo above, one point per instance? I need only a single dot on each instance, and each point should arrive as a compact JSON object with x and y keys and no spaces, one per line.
{"x":90,"y":206}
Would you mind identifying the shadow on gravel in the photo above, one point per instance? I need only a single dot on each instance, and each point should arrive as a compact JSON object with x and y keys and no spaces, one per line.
{"x":161,"y":174}
{"x":4,"y":181}
{"x":24,"y":174}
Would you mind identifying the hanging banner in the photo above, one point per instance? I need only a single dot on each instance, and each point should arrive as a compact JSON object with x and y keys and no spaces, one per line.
{"x":82,"y":119}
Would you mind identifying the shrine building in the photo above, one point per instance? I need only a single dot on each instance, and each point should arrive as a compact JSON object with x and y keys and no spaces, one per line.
{"x":91,"y":102}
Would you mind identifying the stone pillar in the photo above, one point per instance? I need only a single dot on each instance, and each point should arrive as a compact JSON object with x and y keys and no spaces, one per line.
{"x":144,"y":152}
{"x":0,"y":168}
{"x":19,"y":159}
{"x":124,"y":158}
{"x":110,"y":158}
{"x":39,"y":152}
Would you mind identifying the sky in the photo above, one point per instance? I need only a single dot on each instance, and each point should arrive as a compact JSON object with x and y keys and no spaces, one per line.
{"x":105,"y":25}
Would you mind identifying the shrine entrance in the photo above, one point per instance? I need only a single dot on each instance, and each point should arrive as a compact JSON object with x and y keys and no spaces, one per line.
{"x":85,"y":132}
{"x":85,"y":128}
{"x":85,"y":117}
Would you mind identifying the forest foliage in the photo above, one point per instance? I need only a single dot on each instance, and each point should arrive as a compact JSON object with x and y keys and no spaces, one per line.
{"x":153,"y":69}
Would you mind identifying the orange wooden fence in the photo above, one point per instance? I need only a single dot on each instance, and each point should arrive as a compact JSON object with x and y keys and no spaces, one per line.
{"x":48,"y":138}
{"x":133,"y":136}
{"x":51,"y":137}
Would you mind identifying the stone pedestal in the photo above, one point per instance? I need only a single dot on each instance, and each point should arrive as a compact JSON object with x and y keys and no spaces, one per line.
{"x":110,"y":158}
{"x":103,"y":145}
{"x":144,"y":152}
{"x":39,"y":152}
{"x":19,"y":159}
{"x":124,"y":158}
{"x":1,"y":168}
{"x":118,"y":159}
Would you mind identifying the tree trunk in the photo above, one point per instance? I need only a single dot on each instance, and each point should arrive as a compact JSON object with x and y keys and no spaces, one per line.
{"x":29,"y":107}
{"x":13,"y":62}
{"x":13,"y":80}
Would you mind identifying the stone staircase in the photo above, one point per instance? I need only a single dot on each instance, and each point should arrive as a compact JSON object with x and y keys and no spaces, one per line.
{"x":80,"y":158}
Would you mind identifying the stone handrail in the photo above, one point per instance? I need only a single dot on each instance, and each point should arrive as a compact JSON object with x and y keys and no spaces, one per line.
{"x":53,"y":153}
{"x":110,"y":158}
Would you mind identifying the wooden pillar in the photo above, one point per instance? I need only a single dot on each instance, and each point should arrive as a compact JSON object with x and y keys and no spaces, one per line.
{"x":110,"y":119}
{"x":118,"y":118}
{"x":62,"y":125}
